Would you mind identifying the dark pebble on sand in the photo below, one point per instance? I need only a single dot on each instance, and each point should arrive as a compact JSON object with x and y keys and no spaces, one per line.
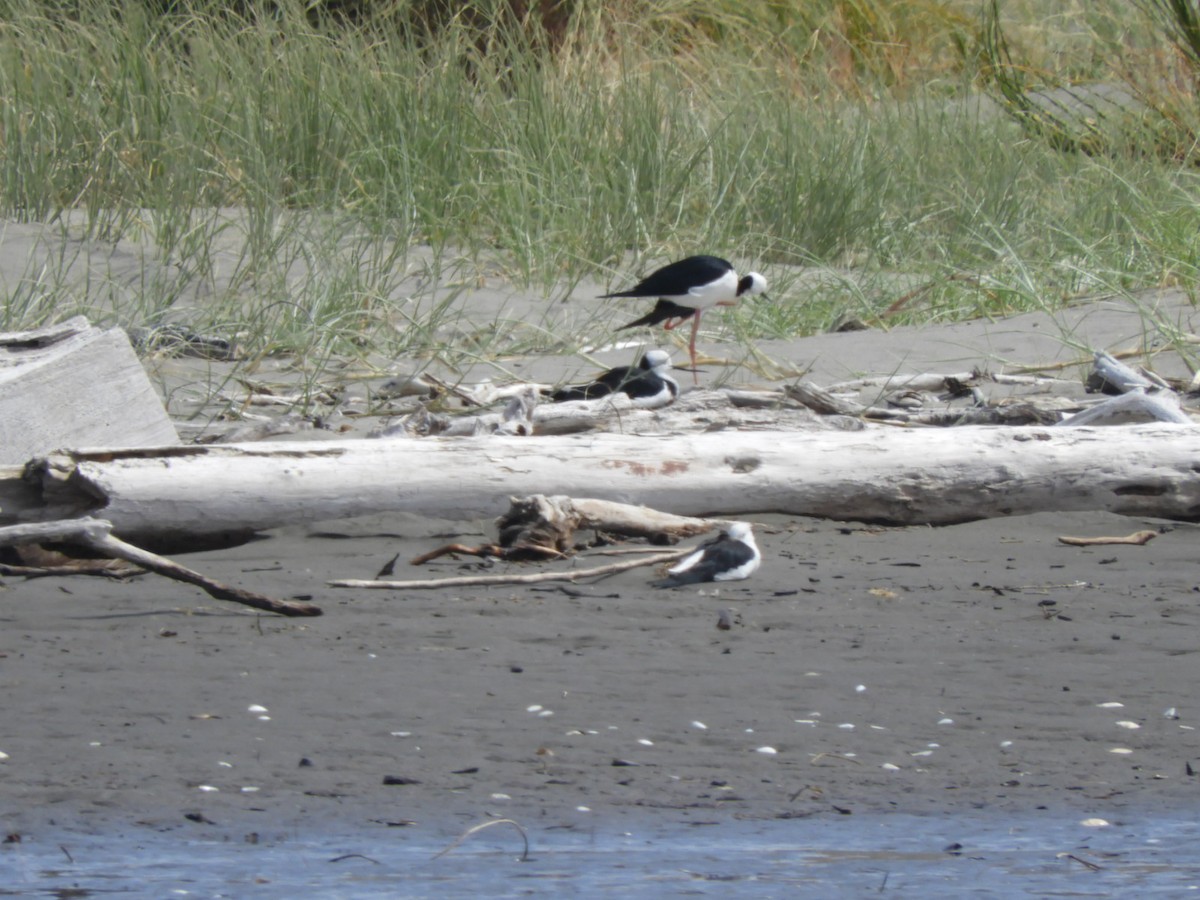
{"x":399,"y":779}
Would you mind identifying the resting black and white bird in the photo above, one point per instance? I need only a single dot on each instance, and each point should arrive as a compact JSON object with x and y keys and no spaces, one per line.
{"x":730,"y":556}
{"x":688,"y":287}
{"x":648,"y":385}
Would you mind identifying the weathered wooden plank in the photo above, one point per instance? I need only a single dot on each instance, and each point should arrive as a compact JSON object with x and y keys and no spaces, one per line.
{"x":71,"y":385}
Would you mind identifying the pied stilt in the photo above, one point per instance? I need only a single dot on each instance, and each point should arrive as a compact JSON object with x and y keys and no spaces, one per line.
{"x":648,"y":385}
{"x":688,"y":287}
{"x":730,"y":556}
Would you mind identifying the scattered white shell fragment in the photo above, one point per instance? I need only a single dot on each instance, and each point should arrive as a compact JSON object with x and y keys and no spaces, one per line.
{"x":545,"y":713}
{"x":1094,"y":823}
{"x":749,"y":731}
{"x":249,"y":789}
{"x":767,"y":751}
{"x":1121,"y":751}
{"x":946,"y":721}
{"x":847,"y":726}
{"x":3,"y":756}
{"x":501,"y":797}
{"x":1171,"y":713}
{"x":891,"y":767}
{"x":223,"y":764}
{"x":1125,"y":723}
{"x":95,"y":744}
{"x":922,"y":753}
{"x":207,"y":788}
{"x":256,"y":708}
{"x":1112,"y":704}
{"x":805,"y":721}
{"x":1006,"y":744}
{"x":700,"y":725}
{"x":537,"y":707}
{"x":583,"y":809}
{"x":878,"y":727}
{"x":263,"y":718}
{"x":400,"y":733}
{"x":859,"y":688}
{"x":646,"y":742}
{"x":1187,"y":728}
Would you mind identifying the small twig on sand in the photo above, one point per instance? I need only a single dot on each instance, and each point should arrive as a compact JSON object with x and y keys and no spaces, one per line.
{"x":482,"y":825}
{"x":1082,"y":862}
{"x":514,"y":578}
{"x":1138,"y":538}
{"x":524,"y":551}
{"x":97,"y":534}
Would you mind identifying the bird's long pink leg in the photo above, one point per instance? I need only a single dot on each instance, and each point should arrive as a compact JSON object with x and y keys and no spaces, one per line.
{"x":692,"y":346}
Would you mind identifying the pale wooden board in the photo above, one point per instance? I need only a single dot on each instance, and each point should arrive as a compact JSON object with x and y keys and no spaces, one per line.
{"x":75,"y":385}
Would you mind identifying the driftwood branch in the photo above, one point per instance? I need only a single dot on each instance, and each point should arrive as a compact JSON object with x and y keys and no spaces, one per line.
{"x":1131,"y":408}
{"x":1138,"y":538}
{"x":96,"y":534}
{"x":541,"y":527}
{"x":572,"y":575}
{"x":893,"y":475}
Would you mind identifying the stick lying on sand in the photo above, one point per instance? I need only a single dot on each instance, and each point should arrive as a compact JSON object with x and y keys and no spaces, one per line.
{"x":1138,"y":538}
{"x":515,"y":578}
{"x":97,"y":534}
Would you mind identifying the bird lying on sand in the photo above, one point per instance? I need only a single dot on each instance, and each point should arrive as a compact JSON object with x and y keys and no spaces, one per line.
{"x":730,"y":556}
{"x":648,"y":385}
{"x":688,"y":287}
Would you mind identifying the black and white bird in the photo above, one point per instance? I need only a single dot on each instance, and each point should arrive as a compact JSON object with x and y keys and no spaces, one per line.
{"x":648,"y":385}
{"x":688,"y":287}
{"x":730,"y":556}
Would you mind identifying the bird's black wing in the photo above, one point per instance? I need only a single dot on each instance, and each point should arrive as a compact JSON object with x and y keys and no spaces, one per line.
{"x":610,"y":382}
{"x":665,"y":281}
{"x":664,"y":311}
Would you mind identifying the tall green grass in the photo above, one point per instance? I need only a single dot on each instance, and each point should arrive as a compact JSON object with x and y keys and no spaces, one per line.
{"x":844,"y":134}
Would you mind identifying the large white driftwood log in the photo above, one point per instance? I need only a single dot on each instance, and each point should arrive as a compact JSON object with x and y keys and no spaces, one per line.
{"x":883,"y":474}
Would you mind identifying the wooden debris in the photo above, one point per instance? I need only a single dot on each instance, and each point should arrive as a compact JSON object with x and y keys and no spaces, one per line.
{"x":36,"y":561}
{"x":165,"y":496}
{"x":97,"y":534}
{"x":539,"y":527}
{"x":908,"y":408}
{"x":73,"y":385}
{"x":1130,"y":409}
{"x":1111,"y":376}
{"x":571,"y":575}
{"x":482,"y":550}
{"x":1138,"y":538}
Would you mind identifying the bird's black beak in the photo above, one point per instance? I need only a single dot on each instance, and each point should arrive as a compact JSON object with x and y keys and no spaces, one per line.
{"x":694,"y":371}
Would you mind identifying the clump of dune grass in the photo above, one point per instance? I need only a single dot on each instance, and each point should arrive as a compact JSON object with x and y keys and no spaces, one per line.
{"x":279,"y":170}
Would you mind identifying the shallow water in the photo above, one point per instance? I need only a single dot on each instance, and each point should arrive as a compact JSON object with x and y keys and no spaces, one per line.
{"x":894,"y":855}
